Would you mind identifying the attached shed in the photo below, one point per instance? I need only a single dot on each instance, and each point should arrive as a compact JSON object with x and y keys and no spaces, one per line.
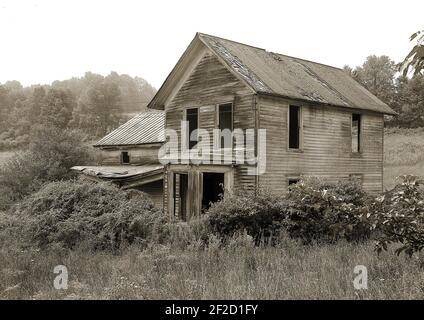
{"x":128,"y":156}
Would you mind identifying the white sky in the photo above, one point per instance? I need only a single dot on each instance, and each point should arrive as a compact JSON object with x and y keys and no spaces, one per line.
{"x":42,"y":40}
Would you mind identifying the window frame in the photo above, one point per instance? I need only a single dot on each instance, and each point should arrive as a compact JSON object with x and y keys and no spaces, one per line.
{"x":300,"y":148}
{"x":359,"y":138}
{"x":198,"y":124}
{"x":217,"y":119}
{"x":122,"y":157}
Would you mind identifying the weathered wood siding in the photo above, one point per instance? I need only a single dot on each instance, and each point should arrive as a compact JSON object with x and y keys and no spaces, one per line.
{"x":209,"y":85}
{"x":155,"y":191}
{"x":325,"y":147}
{"x":138,"y":155}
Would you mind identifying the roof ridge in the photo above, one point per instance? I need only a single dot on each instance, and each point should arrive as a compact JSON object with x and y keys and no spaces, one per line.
{"x":277,"y":53}
{"x":244,"y":44}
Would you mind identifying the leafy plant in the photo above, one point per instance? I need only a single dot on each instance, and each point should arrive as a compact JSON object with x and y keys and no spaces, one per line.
{"x":326,"y":212}
{"x":398,"y":216}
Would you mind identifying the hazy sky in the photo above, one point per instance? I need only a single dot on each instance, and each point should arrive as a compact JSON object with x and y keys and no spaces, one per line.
{"x":42,"y":40}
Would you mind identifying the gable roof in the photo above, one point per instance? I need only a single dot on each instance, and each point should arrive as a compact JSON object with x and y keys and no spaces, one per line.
{"x":280,"y":75}
{"x":145,"y":128}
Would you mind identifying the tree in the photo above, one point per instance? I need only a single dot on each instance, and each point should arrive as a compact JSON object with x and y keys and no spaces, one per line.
{"x":99,"y":109}
{"x":57,"y":108}
{"x":52,"y":152}
{"x":415,"y":58}
{"x":377,"y":74}
{"x":4,"y":107}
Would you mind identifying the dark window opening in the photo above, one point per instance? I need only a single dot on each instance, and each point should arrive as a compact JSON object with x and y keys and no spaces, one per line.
{"x":180,"y":195}
{"x":293,"y":181}
{"x":192,"y":117}
{"x":225,"y":119}
{"x":294,"y":127}
{"x":213,"y":188}
{"x":125,"y":157}
{"x":183,"y":196}
{"x":356,"y":132}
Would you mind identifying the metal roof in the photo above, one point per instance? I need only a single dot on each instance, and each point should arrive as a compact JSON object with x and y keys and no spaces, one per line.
{"x":145,"y":128}
{"x":276,"y":74}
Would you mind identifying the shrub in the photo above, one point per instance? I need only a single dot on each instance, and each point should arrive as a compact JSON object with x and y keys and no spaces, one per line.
{"x":312,"y":210}
{"x":257,"y":213}
{"x":99,"y":215}
{"x":318,"y":210}
{"x":398,"y":216}
{"x":52,"y":152}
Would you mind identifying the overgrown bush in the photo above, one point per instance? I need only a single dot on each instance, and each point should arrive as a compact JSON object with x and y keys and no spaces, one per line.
{"x":53,"y":151}
{"x":318,"y":210}
{"x":259,"y":214}
{"x":97,"y":215}
{"x":312,"y":210}
{"x":398,"y":216}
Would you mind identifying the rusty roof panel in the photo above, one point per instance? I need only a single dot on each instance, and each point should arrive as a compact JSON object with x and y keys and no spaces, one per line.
{"x":273,"y":73}
{"x":145,"y":128}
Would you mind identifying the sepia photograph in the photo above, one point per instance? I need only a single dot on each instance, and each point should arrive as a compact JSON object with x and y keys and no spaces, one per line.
{"x":213,"y":155}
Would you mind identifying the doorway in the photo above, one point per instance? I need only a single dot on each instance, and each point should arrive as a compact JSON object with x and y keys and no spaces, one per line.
{"x":183,"y":196}
{"x":213,"y":188}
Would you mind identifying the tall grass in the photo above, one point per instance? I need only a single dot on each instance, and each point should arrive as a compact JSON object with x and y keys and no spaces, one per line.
{"x":403,"y":154}
{"x":239,"y":270}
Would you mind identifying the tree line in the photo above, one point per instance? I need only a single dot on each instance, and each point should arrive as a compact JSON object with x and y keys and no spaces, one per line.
{"x":390,"y":82}
{"x":381,"y":76}
{"x":93,"y":104}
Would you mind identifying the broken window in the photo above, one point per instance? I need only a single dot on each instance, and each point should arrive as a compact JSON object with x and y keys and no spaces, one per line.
{"x":294,"y":127}
{"x":293,"y":181}
{"x":225,"y":124}
{"x":356,"y":132}
{"x":192,"y":117}
{"x":125,"y":157}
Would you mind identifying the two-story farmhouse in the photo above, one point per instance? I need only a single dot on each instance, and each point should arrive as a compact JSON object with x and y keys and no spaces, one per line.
{"x":288,"y":117}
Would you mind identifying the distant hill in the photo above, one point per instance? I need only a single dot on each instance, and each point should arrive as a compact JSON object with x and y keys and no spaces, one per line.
{"x":94,"y":104}
{"x":135,"y":92}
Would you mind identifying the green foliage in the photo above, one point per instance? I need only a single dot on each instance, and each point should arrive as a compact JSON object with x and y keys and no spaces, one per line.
{"x":93,"y":104}
{"x":398,"y":216}
{"x":257,"y":213}
{"x":52,"y":151}
{"x":415,"y":58}
{"x":318,"y":210}
{"x":98,"y":216}
{"x":312,"y":210}
{"x":377,"y":75}
{"x":404,"y":95}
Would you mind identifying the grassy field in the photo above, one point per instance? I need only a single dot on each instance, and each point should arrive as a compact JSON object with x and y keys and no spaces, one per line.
{"x":240,"y":271}
{"x":403,"y":154}
{"x":237,"y":271}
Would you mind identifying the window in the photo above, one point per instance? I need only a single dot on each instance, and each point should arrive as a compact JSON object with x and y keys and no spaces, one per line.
{"x":125,"y":157}
{"x":293,"y":181}
{"x":225,"y":121}
{"x":356,"y":132}
{"x":192,"y":116}
{"x":294,"y":127}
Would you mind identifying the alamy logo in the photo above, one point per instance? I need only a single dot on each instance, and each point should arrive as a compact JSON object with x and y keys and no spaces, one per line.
{"x":201,"y":146}
{"x":361,"y":280}
{"x":61,"y":280}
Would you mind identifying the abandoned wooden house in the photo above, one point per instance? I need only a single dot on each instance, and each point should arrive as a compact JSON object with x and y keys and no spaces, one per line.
{"x":298,"y":118}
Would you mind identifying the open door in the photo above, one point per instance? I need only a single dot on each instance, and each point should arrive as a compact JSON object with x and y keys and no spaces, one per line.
{"x":213,"y":188}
